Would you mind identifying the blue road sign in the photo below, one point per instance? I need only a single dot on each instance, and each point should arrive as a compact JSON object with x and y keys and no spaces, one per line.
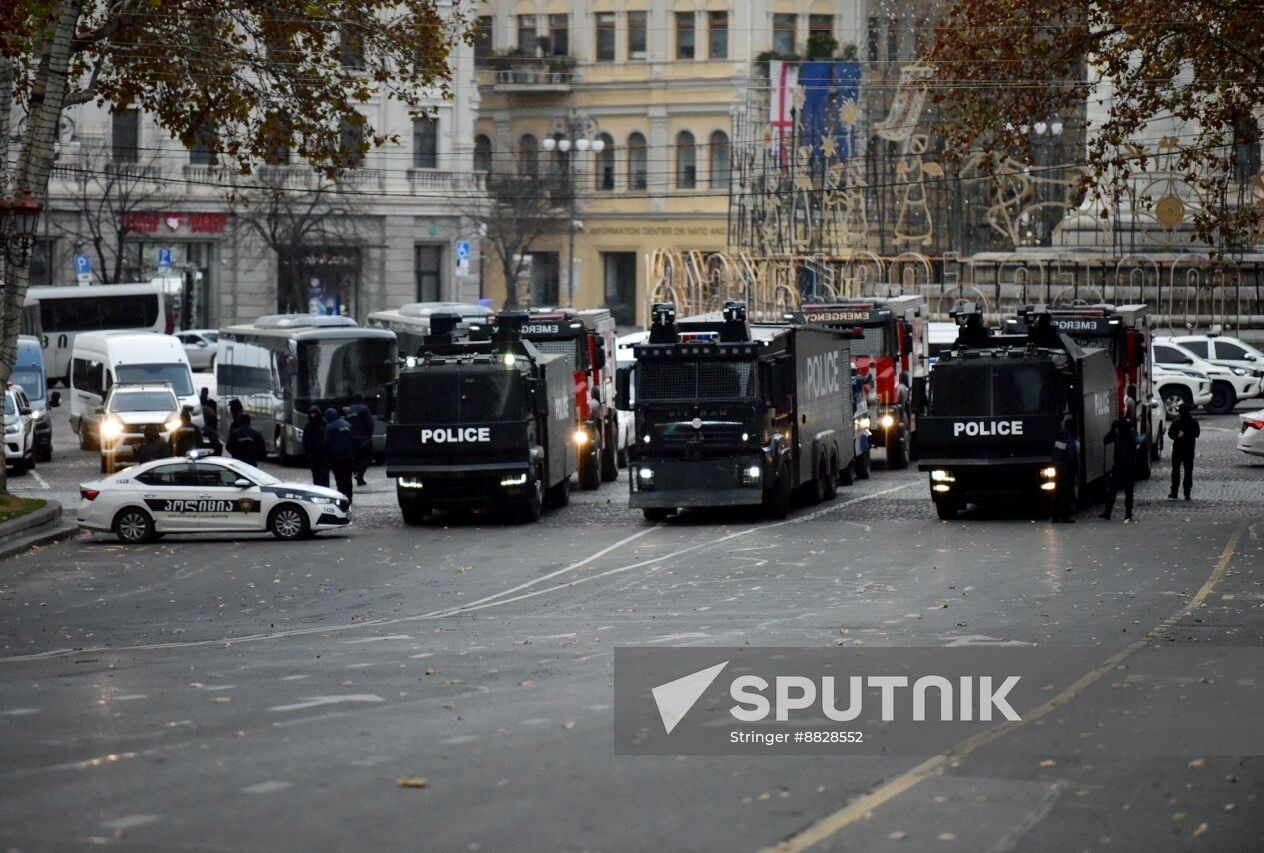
{"x":462,"y":250}
{"x":164,"y":259}
{"x":83,"y":265}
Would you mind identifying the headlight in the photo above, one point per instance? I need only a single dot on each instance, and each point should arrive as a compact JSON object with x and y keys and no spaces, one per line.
{"x":751,"y":474}
{"x":863,"y":423}
{"x":320,"y":500}
{"x":645,"y":439}
{"x":941,"y":487}
{"x":941,"y":476}
{"x":518,"y":480}
{"x":1048,"y":487}
{"x":886,"y":421}
{"x":172,"y":425}
{"x":111,"y":429}
{"x":1237,"y":371}
{"x":645,"y":475}
{"x":1049,"y":473}
{"x":510,"y":359}
{"x":580,"y":437}
{"x":36,"y":414}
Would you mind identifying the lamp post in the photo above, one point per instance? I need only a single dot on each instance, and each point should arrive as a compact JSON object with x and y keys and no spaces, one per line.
{"x":18,"y":220}
{"x":576,"y":132}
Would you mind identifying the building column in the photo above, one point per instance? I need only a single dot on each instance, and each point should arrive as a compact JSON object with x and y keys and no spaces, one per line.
{"x":661,"y":156}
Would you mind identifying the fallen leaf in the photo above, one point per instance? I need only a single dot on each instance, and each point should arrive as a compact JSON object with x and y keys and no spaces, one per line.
{"x":1201,"y":830}
{"x":947,"y":836}
{"x":1198,"y":762}
{"x":412,"y":781}
{"x":898,"y":835}
{"x":569,"y":724}
{"x":1048,"y":762}
{"x":528,"y":684}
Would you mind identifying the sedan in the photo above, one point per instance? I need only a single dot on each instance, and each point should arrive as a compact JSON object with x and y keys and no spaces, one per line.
{"x":1251,"y":439}
{"x":200,"y":345}
{"x":200,"y":493}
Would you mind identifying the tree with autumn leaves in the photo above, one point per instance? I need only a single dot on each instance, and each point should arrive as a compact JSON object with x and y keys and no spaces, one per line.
{"x":1002,"y":64}
{"x":253,"y":77}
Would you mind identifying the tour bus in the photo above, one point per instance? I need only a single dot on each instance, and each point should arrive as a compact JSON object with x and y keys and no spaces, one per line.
{"x":283,"y":364}
{"x":411,"y":323}
{"x":65,"y":312}
{"x":100,"y":359}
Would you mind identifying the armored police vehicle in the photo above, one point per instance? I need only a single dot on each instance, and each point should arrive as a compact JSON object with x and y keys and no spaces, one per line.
{"x":482,"y":424}
{"x":729,"y":414}
{"x":996,"y":403}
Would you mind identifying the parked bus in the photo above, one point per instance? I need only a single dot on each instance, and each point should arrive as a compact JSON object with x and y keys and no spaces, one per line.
{"x":282,"y":364}
{"x":411,"y":323}
{"x":66,"y":311}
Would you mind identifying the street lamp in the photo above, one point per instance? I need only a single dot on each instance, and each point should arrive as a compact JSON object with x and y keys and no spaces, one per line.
{"x":580,"y":133}
{"x":18,"y":220}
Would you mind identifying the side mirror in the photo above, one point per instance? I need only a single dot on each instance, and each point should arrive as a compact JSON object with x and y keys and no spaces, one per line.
{"x":242,"y":483}
{"x":599,"y":359}
{"x":98,"y":410}
{"x":55,"y":400}
{"x":623,"y":389}
{"x":24,"y":410}
{"x":1187,"y":360}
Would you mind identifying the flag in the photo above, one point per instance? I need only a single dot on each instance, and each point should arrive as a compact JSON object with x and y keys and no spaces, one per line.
{"x":783,"y":80}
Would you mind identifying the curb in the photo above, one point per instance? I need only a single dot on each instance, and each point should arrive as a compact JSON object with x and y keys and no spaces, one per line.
{"x":36,"y":528}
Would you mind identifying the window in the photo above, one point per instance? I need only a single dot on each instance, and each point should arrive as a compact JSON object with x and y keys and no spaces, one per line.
{"x":1231,"y":352}
{"x":125,"y":136}
{"x":604,"y":163}
{"x":426,"y":143}
{"x":172,"y":474}
{"x":686,"y":161}
{"x":720,"y":162}
{"x":605,"y":37}
{"x":528,"y":155}
{"x":350,"y":46}
{"x":637,"y":35}
{"x":429,"y":272}
{"x":560,"y":34}
{"x":1246,"y":148}
{"x":203,"y":150}
{"x":1198,"y":348}
{"x":209,"y":474}
{"x":350,"y":140}
{"x":821,"y":24}
{"x":893,"y":39}
{"x":718,"y":31}
{"x":620,"y":285}
{"x":175,"y":373}
{"x":875,"y":38}
{"x":546,"y":276}
{"x":526,"y":34}
{"x":1170,"y":355}
{"x":482,"y":153}
{"x":685,"y":35}
{"x":483,"y":37}
{"x":638,"y":165}
{"x":783,"y":28}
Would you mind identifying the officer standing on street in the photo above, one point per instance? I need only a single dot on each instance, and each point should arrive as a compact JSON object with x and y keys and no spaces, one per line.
{"x":361,"y":420}
{"x":187,"y":436}
{"x":245,"y":443}
{"x":235,"y":411}
{"x":1184,"y":433}
{"x":1066,"y":461}
{"x":210,"y":410}
{"x":340,"y":450}
{"x":314,"y":447}
{"x":152,"y":446}
{"x":1123,"y":435}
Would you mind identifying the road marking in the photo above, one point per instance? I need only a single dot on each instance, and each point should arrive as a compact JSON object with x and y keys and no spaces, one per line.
{"x":319,"y":701}
{"x":43,"y":484}
{"x":494,"y":600}
{"x":376,"y":639}
{"x":265,"y":787}
{"x":130,"y":821}
{"x":833,"y":824}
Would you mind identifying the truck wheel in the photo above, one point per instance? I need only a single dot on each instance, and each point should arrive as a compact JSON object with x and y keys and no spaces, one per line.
{"x":655,"y":514}
{"x":413,"y":510}
{"x":609,"y":459}
{"x":863,"y":464}
{"x":847,"y":474}
{"x":533,"y":504}
{"x":816,"y":489}
{"x":835,"y":476}
{"x":589,"y":471}
{"x":560,"y":495}
{"x":1174,"y":396}
{"x":777,"y":498}
{"x":898,"y":450}
{"x":1223,"y":398}
{"x":947,"y":510}
{"x":1154,"y":445}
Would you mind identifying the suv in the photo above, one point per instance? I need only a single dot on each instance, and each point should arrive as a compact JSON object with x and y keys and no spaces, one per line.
{"x":19,"y":431}
{"x":1228,"y":384}
{"x":128,"y":409}
{"x":1226,"y":351}
{"x":1177,"y":386}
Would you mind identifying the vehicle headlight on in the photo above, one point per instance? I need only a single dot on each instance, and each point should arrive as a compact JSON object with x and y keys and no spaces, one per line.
{"x":1048,"y":487}
{"x":645,"y":478}
{"x":645,"y":439}
{"x":409,"y":482}
{"x":36,"y":414}
{"x":111,"y":429}
{"x":172,"y":425}
{"x":1049,"y":473}
{"x":516,"y":480}
{"x":941,"y":487}
{"x":510,"y":359}
{"x":939,"y":475}
{"x":320,"y":500}
{"x":751,"y":474}
{"x":580,"y":437}
{"x":886,"y":421}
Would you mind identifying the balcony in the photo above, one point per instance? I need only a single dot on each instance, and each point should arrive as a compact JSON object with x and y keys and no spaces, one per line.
{"x":430,"y":181}
{"x":519,"y":73}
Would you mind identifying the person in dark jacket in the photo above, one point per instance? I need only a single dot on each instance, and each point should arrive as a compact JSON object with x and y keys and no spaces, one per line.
{"x":210,"y":410}
{"x":187,"y":436}
{"x":361,"y":420}
{"x":1123,"y":475}
{"x":152,"y":445}
{"x":340,"y":450}
{"x":211,"y":441}
{"x":1184,"y":433}
{"x":314,"y":447}
{"x":235,"y":411}
{"x":245,"y":443}
{"x":1066,"y":461}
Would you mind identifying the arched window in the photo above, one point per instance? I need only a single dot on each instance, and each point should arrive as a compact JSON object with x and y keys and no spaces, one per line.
{"x":720,"y":162}
{"x":686,"y":161}
{"x":528,"y":156}
{"x":638,"y":165}
{"x":603,"y":163}
{"x":482,"y":153}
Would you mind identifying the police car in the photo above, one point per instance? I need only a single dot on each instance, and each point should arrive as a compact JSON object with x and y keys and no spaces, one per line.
{"x":199,"y":493}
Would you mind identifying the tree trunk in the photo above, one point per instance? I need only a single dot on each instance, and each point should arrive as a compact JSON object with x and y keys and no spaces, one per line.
{"x":48,"y":96}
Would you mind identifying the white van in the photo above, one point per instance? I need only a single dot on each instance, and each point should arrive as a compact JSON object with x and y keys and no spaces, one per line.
{"x":100,"y":359}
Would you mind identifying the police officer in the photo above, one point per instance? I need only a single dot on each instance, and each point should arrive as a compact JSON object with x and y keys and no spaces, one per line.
{"x":235,"y":411}
{"x":361,"y":420}
{"x":152,"y":445}
{"x":210,"y":410}
{"x":340,"y":449}
{"x":1184,"y":433}
{"x":245,"y":443}
{"x":1123,"y":437}
{"x":314,"y":447}
{"x":1066,"y":461}
{"x":187,"y":436}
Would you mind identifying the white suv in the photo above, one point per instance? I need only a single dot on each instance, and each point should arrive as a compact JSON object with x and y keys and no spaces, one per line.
{"x":1228,"y":384}
{"x":1177,"y":386}
{"x":19,"y":431}
{"x":1226,"y":351}
{"x":128,"y":410}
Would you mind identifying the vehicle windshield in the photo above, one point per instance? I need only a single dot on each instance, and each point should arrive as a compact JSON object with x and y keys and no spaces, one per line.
{"x":340,"y":368}
{"x":175,"y":373}
{"x":462,"y":397}
{"x":683,"y":379}
{"x":259,"y":476}
{"x":31,"y":380}
{"x":10,"y":406}
{"x":143,"y":401}
{"x":572,"y":348}
{"x":974,"y":390}
{"x":872,"y":342}
{"x":213,"y":337}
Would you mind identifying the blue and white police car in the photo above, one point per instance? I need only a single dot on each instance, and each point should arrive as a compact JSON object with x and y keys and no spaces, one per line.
{"x":199,"y":493}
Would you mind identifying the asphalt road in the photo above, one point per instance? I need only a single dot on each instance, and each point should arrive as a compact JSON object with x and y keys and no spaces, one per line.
{"x":245,"y":694}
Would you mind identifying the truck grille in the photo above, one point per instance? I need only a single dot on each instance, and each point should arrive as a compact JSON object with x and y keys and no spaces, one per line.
{"x":700,"y":380}
{"x":682,"y":433}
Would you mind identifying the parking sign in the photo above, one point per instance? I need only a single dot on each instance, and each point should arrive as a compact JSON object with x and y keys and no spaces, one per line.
{"x":462,"y":250}
{"x":164,"y":259}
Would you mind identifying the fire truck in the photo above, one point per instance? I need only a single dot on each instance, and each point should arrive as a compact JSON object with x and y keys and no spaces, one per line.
{"x":1123,"y":332}
{"x":890,"y":348}
{"x":587,"y":338}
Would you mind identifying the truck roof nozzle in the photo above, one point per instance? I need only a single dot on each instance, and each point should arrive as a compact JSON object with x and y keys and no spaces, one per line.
{"x":663,"y":323}
{"x":443,"y":324}
{"x":735,"y":328}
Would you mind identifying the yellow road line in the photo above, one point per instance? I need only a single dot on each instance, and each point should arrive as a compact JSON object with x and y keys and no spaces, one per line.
{"x":863,"y":806}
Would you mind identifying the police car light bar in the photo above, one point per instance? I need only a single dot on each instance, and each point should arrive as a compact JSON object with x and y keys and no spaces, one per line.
{"x":699,"y":337}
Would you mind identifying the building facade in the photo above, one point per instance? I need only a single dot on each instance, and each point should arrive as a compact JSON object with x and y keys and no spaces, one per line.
{"x":659,"y":83}
{"x":141,"y":206}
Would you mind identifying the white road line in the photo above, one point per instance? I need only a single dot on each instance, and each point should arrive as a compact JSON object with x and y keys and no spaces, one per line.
{"x":43,"y":484}
{"x":319,"y":701}
{"x":494,"y":600}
